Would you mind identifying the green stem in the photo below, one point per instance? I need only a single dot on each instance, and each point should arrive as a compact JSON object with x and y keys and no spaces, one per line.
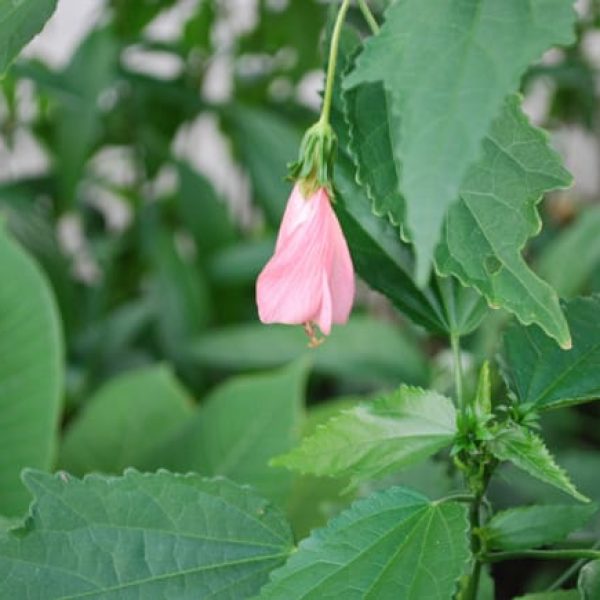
{"x":368,"y":15}
{"x":458,"y":374}
{"x":333,"y":54}
{"x":569,"y":554}
{"x":472,"y":586}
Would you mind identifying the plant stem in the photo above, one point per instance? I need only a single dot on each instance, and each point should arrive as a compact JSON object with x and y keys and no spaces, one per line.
{"x":568,"y":554}
{"x":472,"y":587}
{"x":368,"y":15}
{"x":333,"y":54}
{"x":458,"y":374}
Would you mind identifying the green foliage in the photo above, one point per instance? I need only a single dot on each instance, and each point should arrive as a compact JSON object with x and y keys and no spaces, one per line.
{"x":392,"y":542}
{"x":424,"y":89}
{"x":544,"y":376}
{"x":31,"y":373}
{"x":534,"y":526}
{"x":373,"y":440}
{"x":152,"y":536}
{"x":239,"y":428}
{"x":108,"y":435}
{"x":558,"y":595}
{"x":527,"y":451}
{"x":487,"y":228}
{"x":19,"y":22}
{"x":364,"y":350}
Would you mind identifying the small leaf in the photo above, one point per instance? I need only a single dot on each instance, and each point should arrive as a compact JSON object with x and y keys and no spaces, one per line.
{"x":373,"y":440}
{"x":393,"y":544}
{"x":20,"y":21}
{"x":543,"y":375}
{"x":31,"y":373}
{"x":527,"y":451}
{"x":447,"y":92}
{"x":236,"y":431}
{"x":123,"y":420}
{"x":534,"y":526}
{"x":141,"y":536}
{"x":589,"y":581}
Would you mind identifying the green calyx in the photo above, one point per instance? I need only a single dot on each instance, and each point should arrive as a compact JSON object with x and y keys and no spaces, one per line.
{"x":314,"y":167}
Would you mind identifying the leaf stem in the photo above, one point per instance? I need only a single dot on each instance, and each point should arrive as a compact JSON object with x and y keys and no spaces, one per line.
{"x":562,"y":554}
{"x":458,"y":374}
{"x":368,"y":15}
{"x":333,"y":55}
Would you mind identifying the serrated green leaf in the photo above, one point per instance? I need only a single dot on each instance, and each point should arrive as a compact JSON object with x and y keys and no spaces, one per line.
{"x":141,"y":536}
{"x":488,"y":227}
{"x":589,"y":581}
{"x":545,"y":376}
{"x":238,"y":428}
{"x":373,"y":440}
{"x":364,"y":350}
{"x":21,"y":20}
{"x":123,"y":420}
{"x":534,"y":526}
{"x":31,"y":373}
{"x":527,"y":451}
{"x":393,"y":544}
{"x":447,"y":92}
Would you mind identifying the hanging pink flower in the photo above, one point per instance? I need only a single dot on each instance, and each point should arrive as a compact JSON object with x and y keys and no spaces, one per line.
{"x":310,"y":278}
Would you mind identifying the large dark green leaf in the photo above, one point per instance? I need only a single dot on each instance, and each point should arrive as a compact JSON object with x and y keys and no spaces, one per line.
{"x":545,"y":376}
{"x":20,"y":20}
{"x":141,"y":536}
{"x":393,"y":544}
{"x":375,"y":439}
{"x":31,"y":373}
{"x":445,"y":93}
{"x":487,"y":228}
{"x":239,"y":428}
{"x":123,"y":420}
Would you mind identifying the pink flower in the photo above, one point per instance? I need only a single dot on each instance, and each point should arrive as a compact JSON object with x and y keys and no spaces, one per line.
{"x":310,"y":279}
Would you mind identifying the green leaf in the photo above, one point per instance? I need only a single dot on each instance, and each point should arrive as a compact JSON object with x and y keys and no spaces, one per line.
{"x":589,"y":581}
{"x":393,"y":544}
{"x":487,"y":228}
{"x":446,"y":93}
{"x":141,"y":536}
{"x":202,"y":212}
{"x":21,"y":20}
{"x":266,"y":144}
{"x":541,"y":374}
{"x":31,"y":373}
{"x":373,"y":440}
{"x":534,"y":526}
{"x":239,"y":428}
{"x":364,"y":350}
{"x":527,"y":451}
{"x":569,"y":260}
{"x":124,"y":420}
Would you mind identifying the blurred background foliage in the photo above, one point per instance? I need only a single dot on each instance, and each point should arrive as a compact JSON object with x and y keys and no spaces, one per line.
{"x":145,"y":175}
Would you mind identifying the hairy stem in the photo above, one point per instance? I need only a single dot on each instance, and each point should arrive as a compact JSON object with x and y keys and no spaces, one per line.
{"x":472,"y":586}
{"x":563,"y":554}
{"x":333,"y":55}
{"x":368,"y":15}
